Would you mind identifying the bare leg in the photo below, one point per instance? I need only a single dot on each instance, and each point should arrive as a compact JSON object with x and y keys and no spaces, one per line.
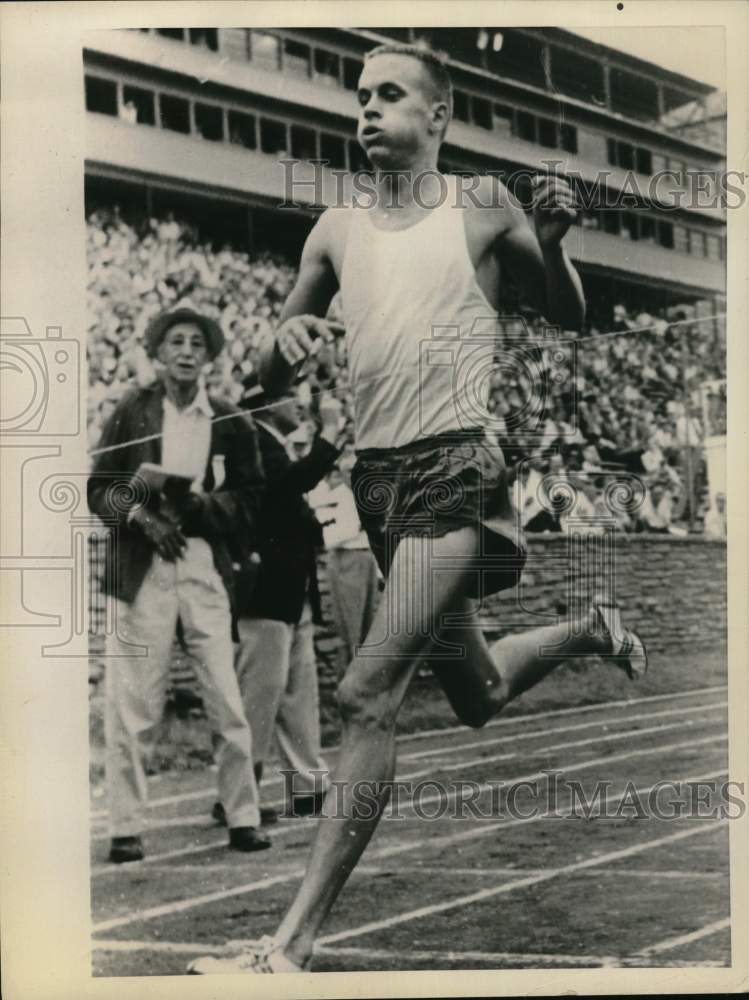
{"x":370,"y":696}
{"x":480,"y":681}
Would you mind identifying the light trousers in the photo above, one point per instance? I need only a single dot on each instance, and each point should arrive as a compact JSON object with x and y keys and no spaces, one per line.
{"x":136,"y":683}
{"x":275,"y":664}
{"x":353,"y":580}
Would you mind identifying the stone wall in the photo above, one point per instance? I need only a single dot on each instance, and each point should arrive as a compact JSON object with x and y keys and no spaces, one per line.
{"x":672,"y":588}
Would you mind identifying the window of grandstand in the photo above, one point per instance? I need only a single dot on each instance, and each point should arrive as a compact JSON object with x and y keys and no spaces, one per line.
{"x":625,"y":155}
{"x":296,"y":58}
{"x":666,"y":235}
{"x":681,"y":239}
{"x":678,"y":170}
{"x":673,"y":99}
{"x":327,"y":68}
{"x":175,"y":113}
{"x":461,"y":44}
{"x":629,"y":226}
{"x":333,"y":149}
{"x":177,"y":33}
{"x":568,"y":138}
{"x":273,"y":138}
{"x":503,"y":119}
{"x":265,"y":49}
{"x":303,"y":143}
{"x":610,"y":218}
{"x":712,"y":247}
{"x":141,"y":103}
{"x":577,"y":76}
{"x":647,"y":229}
{"x":209,"y":121}
{"x":460,"y":106}
{"x":520,"y":56}
{"x":696,"y":242}
{"x":205,"y":37}
{"x":547,"y":132}
{"x":242,"y":129}
{"x":101,"y":95}
{"x":633,"y":96}
{"x":526,"y":126}
{"x":357,"y":159}
{"x":629,"y":157}
{"x":643,"y":161}
{"x":351,"y":72}
{"x":481,"y":112}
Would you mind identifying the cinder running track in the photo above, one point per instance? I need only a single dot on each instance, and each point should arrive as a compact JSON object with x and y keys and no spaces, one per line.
{"x":493,"y":888}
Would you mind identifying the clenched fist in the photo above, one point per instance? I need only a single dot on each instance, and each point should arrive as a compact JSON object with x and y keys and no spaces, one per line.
{"x":554,"y":208}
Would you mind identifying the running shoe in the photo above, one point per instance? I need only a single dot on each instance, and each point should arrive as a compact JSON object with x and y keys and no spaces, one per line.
{"x":264,"y":957}
{"x":628,"y":650}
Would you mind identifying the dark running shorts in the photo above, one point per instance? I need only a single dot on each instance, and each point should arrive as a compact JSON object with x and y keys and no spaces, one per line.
{"x":437,"y":485}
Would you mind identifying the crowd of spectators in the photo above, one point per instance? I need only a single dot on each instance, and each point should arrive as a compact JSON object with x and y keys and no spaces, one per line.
{"x":627,"y":401}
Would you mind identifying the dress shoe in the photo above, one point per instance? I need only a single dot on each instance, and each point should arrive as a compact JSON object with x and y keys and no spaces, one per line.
{"x":246,"y":838}
{"x":124,"y":849}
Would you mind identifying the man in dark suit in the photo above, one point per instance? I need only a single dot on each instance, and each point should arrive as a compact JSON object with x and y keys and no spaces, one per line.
{"x":171,"y":559}
{"x":275,"y":658}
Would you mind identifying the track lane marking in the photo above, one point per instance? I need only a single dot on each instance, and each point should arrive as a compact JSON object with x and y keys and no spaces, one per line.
{"x":668,"y":944}
{"x":522,"y":883}
{"x":666,"y":713}
{"x":178,"y":906}
{"x":494,"y":758}
{"x":426,"y":733}
{"x":493,"y":958}
{"x":423,"y":800}
{"x":203,"y":820}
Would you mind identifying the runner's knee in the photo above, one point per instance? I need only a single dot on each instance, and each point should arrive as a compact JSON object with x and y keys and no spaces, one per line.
{"x":365,"y":708}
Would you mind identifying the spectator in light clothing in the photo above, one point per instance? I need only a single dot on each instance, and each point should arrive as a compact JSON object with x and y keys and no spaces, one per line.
{"x":715,"y":518}
{"x":171,"y":560}
{"x":353,"y":575}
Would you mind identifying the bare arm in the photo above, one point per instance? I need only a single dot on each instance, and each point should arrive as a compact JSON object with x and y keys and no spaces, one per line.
{"x":283,"y":352}
{"x":546,"y":275}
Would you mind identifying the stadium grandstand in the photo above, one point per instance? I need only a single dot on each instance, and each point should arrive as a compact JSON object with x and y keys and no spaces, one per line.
{"x":186,"y":128}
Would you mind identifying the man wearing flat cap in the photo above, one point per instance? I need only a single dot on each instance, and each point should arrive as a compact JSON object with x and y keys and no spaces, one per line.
{"x":178,"y":478}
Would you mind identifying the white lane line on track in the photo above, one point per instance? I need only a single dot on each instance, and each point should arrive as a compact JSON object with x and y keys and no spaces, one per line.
{"x":109,"y":869}
{"x":648,"y":873}
{"x":477,"y":761}
{"x":423,"y":799}
{"x":448,"y":730}
{"x":496,"y":958}
{"x":479,"y":743}
{"x":522,"y":883}
{"x":489,"y":786}
{"x":200,"y":820}
{"x":668,"y":944}
{"x":151,"y":913}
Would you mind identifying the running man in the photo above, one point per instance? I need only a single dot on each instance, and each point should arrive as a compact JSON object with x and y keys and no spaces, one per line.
{"x":431,"y":490}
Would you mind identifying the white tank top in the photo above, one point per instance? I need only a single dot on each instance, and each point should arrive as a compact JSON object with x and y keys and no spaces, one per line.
{"x":420,"y":332}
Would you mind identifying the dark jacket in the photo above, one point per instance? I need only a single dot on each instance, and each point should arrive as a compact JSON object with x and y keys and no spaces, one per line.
{"x":288,"y":532}
{"x":228,"y":521}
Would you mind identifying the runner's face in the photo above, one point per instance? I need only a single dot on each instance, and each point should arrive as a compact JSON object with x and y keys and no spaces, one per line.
{"x":395,"y":110}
